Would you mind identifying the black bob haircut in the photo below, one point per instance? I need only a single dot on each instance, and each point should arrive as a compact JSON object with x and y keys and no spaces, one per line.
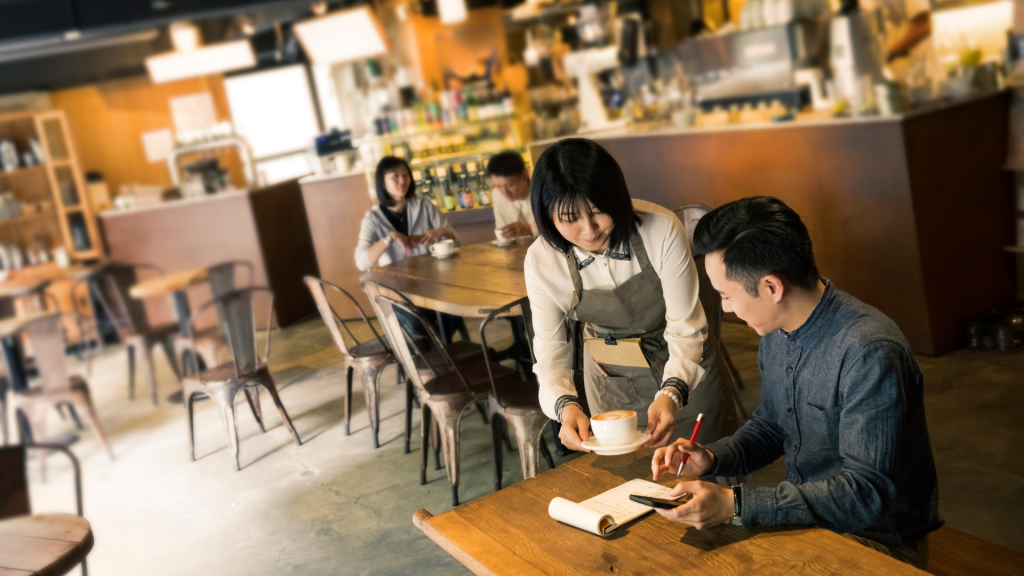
{"x":758,"y":236}
{"x":387,"y":164}
{"x":506,"y":163}
{"x":568,"y":174}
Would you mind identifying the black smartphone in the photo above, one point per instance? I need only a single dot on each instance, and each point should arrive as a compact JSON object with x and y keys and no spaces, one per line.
{"x":659,"y":502}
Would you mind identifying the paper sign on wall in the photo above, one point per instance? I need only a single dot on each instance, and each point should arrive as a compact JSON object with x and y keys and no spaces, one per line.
{"x":193,"y":112}
{"x":158,"y":144}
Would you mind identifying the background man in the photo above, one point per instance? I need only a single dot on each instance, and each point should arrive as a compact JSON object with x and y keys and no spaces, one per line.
{"x":512,"y":213}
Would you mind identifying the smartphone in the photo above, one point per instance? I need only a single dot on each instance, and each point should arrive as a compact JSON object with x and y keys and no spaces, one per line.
{"x":660,"y":502}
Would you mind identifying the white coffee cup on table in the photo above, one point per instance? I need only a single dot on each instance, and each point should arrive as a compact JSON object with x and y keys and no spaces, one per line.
{"x":614,"y":428}
{"x":501,"y":237}
{"x":442,"y":248}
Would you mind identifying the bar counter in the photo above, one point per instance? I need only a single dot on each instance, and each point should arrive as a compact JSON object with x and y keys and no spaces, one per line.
{"x":908,"y":213}
{"x":267,"y":227}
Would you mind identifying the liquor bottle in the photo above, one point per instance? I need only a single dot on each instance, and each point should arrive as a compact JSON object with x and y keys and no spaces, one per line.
{"x":481,"y":190}
{"x":449,"y":198}
{"x":473,"y":113}
{"x":465,"y":196}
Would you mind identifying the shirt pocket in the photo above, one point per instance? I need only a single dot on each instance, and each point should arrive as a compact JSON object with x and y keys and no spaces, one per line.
{"x":822,"y":424}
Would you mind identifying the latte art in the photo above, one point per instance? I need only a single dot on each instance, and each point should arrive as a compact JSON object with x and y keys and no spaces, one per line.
{"x":615,"y":415}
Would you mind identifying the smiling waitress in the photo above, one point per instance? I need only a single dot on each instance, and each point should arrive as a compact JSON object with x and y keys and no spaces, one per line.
{"x":623,"y":268}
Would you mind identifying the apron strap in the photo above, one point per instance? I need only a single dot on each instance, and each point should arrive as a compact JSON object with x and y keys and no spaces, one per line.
{"x":636,"y":244}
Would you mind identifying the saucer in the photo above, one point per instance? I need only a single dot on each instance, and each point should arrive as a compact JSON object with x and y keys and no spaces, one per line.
{"x":501,"y":244}
{"x":594,"y":445}
{"x":445,"y":256}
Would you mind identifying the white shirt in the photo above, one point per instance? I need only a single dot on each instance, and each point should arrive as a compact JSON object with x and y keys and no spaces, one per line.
{"x":550,"y":289}
{"x":506,"y":212}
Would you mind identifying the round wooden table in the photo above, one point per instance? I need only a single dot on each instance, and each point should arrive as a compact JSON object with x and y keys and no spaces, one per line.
{"x":43,"y":544}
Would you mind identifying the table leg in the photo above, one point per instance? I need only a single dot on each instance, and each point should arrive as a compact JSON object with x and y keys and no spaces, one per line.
{"x":181,"y":308}
{"x":15,"y":362}
{"x":440,"y":328}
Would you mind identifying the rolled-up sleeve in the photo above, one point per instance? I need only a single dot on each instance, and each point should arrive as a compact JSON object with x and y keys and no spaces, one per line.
{"x":369,"y":234}
{"x":686,"y":326}
{"x":551,"y":344}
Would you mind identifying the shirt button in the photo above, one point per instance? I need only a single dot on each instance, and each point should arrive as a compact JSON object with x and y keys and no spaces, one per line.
{"x":789,"y":369}
{"x":793,"y":447}
{"x":790,"y":410}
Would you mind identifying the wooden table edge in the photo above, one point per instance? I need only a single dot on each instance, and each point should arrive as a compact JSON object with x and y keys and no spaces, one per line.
{"x":511,"y":563}
{"x":66,"y":564}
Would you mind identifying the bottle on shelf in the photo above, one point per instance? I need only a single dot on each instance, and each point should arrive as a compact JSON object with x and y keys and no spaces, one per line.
{"x":465,"y":196}
{"x":481,"y":190}
{"x":449,"y":197}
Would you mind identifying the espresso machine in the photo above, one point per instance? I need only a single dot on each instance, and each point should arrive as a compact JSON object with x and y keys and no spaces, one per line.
{"x":855,"y":55}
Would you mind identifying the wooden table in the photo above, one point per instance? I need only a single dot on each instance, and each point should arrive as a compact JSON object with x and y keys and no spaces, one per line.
{"x":478,"y":280}
{"x":43,"y":544}
{"x":510,"y":532}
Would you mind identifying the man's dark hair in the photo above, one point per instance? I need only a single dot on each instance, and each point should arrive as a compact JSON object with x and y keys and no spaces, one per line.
{"x":568,"y":174}
{"x":758,"y":236}
{"x":387,"y":164}
{"x":506,"y":163}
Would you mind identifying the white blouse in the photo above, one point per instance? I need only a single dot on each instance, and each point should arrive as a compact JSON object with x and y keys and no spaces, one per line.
{"x":550,"y":289}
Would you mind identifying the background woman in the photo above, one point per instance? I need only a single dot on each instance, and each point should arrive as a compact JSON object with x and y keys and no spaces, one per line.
{"x":400,"y":226}
{"x":623,"y":268}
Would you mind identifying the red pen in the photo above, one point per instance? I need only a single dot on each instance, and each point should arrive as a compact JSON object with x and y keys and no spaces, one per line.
{"x":686,"y":455}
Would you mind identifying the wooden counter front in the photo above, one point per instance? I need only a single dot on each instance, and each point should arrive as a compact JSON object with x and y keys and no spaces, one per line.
{"x":909,"y":214}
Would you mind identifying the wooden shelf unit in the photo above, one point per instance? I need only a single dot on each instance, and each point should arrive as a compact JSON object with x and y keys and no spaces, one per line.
{"x":64,"y":210}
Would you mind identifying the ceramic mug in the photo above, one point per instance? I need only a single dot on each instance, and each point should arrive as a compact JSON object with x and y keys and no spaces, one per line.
{"x":442,"y":248}
{"x":500,"y":237}
{"x":614,"y":428}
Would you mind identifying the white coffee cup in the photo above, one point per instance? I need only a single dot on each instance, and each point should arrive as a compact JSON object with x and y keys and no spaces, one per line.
{"x":500,"y":236}
{"x":442,"y":248}
{"x":614,"y":428}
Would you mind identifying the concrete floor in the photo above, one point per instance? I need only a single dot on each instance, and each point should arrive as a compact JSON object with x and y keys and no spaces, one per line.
{"x":336,"y":506}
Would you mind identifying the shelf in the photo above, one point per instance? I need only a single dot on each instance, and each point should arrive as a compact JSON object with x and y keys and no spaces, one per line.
{"x":460,"y":128}
{"x":22,"y":171}
{"x":26,"y":218}
{"x":1017,"y":249}
{"x":464,"y":154}
{"x":71,"y":209}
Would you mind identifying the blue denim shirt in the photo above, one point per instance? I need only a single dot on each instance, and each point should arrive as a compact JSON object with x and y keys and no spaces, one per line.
{"x":842,"y":399}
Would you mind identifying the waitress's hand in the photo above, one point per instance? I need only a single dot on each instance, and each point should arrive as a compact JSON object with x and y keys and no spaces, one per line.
{"x":661,"y":421}
{"x":575,"y":428}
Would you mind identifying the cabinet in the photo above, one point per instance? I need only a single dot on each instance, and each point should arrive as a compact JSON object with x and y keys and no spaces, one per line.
{"x":43,"y":197}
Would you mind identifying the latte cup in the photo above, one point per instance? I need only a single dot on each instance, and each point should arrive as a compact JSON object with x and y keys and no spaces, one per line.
{"x":614,"y":428}
{"x":442,"y":248}
{"x":500,"y":236}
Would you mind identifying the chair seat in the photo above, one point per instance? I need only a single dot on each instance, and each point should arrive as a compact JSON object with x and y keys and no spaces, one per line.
{"x":519,"y":397}
{"x":373,"y":347}
{"x":226,"y":372}
{"x":160,"y":331}
{"x":449,"y":384}
{"x":461,"y":352}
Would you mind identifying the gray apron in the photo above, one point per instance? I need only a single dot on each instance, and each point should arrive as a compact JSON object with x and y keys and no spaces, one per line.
{"x":636,"y":309}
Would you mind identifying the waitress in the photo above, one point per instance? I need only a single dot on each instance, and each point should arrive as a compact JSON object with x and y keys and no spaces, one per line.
{"x":623,"y":268}
{"x":400,"y":226}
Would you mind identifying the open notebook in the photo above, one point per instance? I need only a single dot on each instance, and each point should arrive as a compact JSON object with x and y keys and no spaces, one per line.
{"x":606,"y":512}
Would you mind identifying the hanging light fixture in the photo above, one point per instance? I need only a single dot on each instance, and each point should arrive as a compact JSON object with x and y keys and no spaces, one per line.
{"x":342,"y":36}
{"x":452,"y":11}
{"x":190,"y":59}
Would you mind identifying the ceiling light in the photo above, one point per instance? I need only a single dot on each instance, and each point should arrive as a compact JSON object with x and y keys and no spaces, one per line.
{"x":213,"y":59}
{"x":342,"y":36}
{"x":452,"y":11}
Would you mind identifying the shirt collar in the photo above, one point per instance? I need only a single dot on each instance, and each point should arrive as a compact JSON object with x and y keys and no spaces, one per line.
{"x":585,"y":258}
{"x":817,"y":317}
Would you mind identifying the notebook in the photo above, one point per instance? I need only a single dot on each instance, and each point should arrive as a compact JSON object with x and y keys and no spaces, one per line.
{"x":608,"y":511}
{"x":625,"y":352}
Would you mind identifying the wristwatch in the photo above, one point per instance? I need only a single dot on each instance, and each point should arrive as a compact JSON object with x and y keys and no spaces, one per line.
{"x":737,"y":498}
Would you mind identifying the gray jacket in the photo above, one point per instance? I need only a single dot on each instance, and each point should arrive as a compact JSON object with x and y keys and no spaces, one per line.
{"x":423,"y":216}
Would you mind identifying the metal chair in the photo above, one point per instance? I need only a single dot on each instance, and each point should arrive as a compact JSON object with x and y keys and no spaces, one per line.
{"x":209,"y":344}
{"x":246,"y":370}
{"x":516,"y":403}
{"x":445,"y":394}
{"x":14,"y":497}
{"x":108,"y":293}
{"x":690,"y":215}
{"x":367,"y":358}
{"x":56,"y":387}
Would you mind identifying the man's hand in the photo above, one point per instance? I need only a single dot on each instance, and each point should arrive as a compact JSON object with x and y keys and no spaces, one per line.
{"x":515,"y":230}
{"x":712,"y":504}
{"x":431,"y":236}
{"x":667,"y":459}
{"x":661,"y":421}
{"x":404,"y":241}
{"x":575,"y":428}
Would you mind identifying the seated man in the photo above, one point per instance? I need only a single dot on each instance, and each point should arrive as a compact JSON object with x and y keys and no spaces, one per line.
{"x":841,"y":398}
{"x":512,"y":213}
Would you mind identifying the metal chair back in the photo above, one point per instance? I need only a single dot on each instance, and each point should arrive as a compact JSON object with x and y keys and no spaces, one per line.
{"x":405,"y":347}
{"x":690,"y":215}
{"x":523,"y":305}
{"x":238,"y":317}
{"x":47,"y":337}
{"x":108,"y":288}
{"x":335,"y":324}
{"x":14,"y":498}
{"x":222,"y":276}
